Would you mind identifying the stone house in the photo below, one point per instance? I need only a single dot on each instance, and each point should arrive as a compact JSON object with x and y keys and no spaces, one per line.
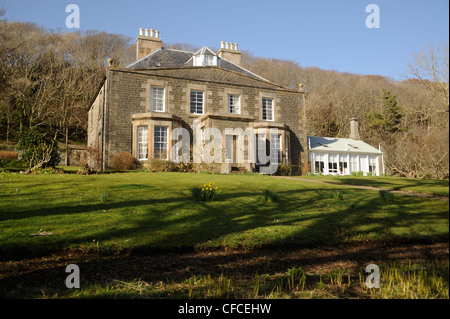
{"x":142,"y":108}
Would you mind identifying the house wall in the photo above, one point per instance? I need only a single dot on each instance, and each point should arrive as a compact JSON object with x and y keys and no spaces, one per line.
{"x":96,"y":122}
{"x":128,"y":93}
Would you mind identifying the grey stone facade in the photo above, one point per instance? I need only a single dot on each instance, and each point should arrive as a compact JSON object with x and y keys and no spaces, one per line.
{"x":124,"y":103}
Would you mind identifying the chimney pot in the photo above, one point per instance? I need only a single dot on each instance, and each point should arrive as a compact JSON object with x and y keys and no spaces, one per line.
{"x":148,"y":43}
{"x":157,"y":34}
{"x":141,"y":31}
{"x":229,"y":51}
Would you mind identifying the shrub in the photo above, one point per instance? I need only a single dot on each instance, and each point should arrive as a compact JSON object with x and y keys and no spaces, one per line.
{"x":270,"y":196}
{"x":354,"y":173}
{"x":205,"y":192}
{"x":123,"y":161}
{"x":285,"y":170}
{"x":104,"y":197}
{"x":360,"y":173}
{"x":338,"y":195}
{"x":39,"y":151}
{"x":386,"y":196}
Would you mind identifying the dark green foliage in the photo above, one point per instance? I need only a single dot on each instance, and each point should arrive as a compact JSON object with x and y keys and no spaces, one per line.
{"x":338,"y":195}
{"x":34,"y":144}
{"x":387,"y":120}
{"x":270,"y":196}
{"x":386,"y":196}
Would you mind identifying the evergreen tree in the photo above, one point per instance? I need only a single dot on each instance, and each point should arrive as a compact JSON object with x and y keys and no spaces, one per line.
{"x":388,"y":120}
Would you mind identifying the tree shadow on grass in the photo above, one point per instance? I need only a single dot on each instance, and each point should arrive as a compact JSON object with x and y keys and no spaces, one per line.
{"x":171,"y":229}
{"x":237,"y":219}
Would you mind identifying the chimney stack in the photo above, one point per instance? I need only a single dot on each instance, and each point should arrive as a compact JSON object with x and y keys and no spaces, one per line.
{"x":147,"y":42}
{"x":229,"y":51}
{"x":354,"y":129}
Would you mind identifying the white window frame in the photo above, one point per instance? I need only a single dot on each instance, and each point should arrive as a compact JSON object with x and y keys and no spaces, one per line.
{"x":142,"y":142}
{"x":333,"y":162}
{"x":319,"y":158}
{"x":354,"y":163}
{"x":265,"y":109}
{"x":208,"y":60}
{"x":158,"y":141}
{"x":260,"y":138}
{"x":286,"y":147}
{"x":197,"y":103}
{"x":234,"y":104}
{"x":157,"y":107}
{"x":373,"y":165}
{"x":275,"y":148}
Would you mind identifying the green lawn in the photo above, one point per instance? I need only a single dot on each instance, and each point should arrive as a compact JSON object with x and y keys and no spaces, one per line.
{"x":427,"y":186}
{"x":154,"y":210}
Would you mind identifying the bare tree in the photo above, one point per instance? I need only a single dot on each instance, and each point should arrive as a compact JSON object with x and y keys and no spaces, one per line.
{"x":431,"y":68}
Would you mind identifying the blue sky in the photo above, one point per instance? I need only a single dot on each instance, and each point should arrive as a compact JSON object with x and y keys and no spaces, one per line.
{"x":327,"y":34}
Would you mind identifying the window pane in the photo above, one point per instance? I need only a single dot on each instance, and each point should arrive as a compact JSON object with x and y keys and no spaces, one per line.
{"x":234,"y":104}
{"x":142,"y":142}
{"x":286,"y":146}
{"x":160,"y":142}
{"x":267,"y":108}
{"x":157,"y":99}
{"x":196,"y":102}
{"x":208,"y":60}
{"x":275,"y":149}
{"x":332,"y":164}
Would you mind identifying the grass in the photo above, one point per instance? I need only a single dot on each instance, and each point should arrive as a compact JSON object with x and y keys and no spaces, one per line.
{"x":404,"y":281}
{"x":133,"y":211}
{"x":426,"y":186}
{"x":269,"y":195}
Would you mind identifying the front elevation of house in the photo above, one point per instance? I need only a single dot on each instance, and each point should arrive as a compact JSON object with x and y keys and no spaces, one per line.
{"x":141,"y":109}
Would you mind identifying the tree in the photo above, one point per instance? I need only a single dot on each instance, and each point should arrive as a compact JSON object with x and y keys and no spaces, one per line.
{"x":38,"y":149}
{"x":431,"y":68}
{"x":388,"y":120}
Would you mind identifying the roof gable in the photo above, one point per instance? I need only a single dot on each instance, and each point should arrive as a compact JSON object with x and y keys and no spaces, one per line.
{"x":205,"y":50}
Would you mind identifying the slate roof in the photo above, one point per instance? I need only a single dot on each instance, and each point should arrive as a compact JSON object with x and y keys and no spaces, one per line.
{"x":333,"y":144}
{"x":176,"y":58}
